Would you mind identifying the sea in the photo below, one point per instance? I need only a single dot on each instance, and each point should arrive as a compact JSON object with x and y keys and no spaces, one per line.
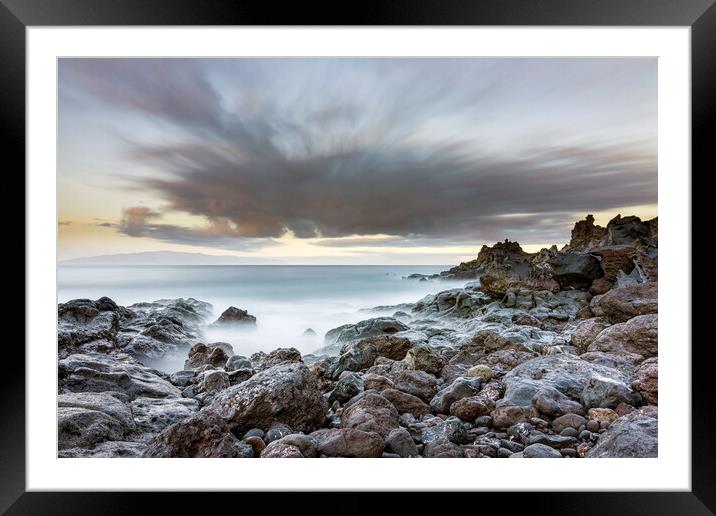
{"x":286,"y":300}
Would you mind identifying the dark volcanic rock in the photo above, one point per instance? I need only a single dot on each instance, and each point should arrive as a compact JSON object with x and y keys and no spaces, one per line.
{"x":369,"y":328}
{"x":235,"y":316}
{"x":357,"y":356}
{"x":86,"y":419}
{"x":587,"y":235}
{"x":575,"y":270}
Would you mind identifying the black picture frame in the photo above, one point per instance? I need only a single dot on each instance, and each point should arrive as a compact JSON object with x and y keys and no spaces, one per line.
{"x":700,"y":15}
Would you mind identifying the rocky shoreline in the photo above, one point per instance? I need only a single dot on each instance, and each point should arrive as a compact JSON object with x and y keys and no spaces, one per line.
{"x":548,"y":354}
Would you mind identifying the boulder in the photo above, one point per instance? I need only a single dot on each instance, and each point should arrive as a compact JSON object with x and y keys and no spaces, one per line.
{"x":457,"y":390}
{"x":631,"y":436}
{"x":549,"y":401}
{"x":629,"y":231}
{"x":152,"y":415}
{"x":586,"y":332}
{"x":88,"y":418}
{"x":348,"y":386}
{"x":540,"y":451}
{"x":348,"y":442}
{"x":236,"y":362}
{"x":368,"y":328}
{"x":376,"y":382}
{"x":566,"y":373}
{"x":233,"y":316}
{"x":603,"y":392}
{"x":587,"y":235}
{"x":505,"y":416}
{"x":261,"y":361}
{"x":401,"y":443}
{"x":638,"y":336}
{"x":622,"y":303}
{"x":358,"y":356}
{"x":423,"y":358}
{"x":469,"y":409}
{"x":202,"y":355}
{"x":417,"y":383}
{"x":646,"y":380}
{"x":575,"y":270}
{"x":98,"y":372}
{"x":371,"y":413}
{"x":291,"y":446}
{"x":574,"y":421}
{"x":406,"y":403}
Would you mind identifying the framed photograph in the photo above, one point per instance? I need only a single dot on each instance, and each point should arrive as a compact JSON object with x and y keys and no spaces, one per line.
{"x":420,"y":243}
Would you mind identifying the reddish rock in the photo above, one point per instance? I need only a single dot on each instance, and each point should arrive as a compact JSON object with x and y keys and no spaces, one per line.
{"x":371,"y":413}
{"x":470,"y":408}
{"x":639,"y":336}
{"x":586,"y":331}
{"x":406,"y":403}
{"x":508,"y":415}
{"x":647,"y":380}
{"x":622,"y":303}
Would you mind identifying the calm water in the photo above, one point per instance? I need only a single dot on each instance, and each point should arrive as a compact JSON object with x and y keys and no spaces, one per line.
{"x":286,"y":300}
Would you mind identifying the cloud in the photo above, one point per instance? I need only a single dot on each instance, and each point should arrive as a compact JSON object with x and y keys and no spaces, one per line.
{"x":423,"y":151}
{"x":64,"y":223}
{"x":140,"y":221}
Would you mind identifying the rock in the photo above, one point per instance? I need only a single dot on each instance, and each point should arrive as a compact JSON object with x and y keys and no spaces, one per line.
{"x":287,"y":393}
{"x":310,"y":333}
{"x":257,"y":444}
{"x":376,"y":382}
{"x":628,"y":230}
{"x":569,"y":432}
{"x":553,"y":441}
{"x":361,"y":330}
{"x":460,"y":388}
{"x":593,"y":425}
{"x":97,"y":372}
{"x":348,"y":386}
{"x":586,"y":235}
{"x":213,"y":381}
{"x":239,"y":376}
{"x":167,"y":325}
{"x":276,"y":432}
{"x":201,"y":355}
{"x":602,"y":392}
{"x":471,"y":408}
{"x":291,"y":446}
{"x":233,"y":316}
{"x":417,"y":383}
{"x":152,"y":415}
{"x":255,"y":432}
{"x":575,"y":270}
{"x":348,"y":442}
{"x":646,"y":380}
{"x":566,"y":373}
{"x":261,"y":361}
{"x":236,"y":362}
{"x":507,"y":415}
{"x":540,"y":451}
{"x":574,"y":421}
{"x":86,"y":325}
{"x":622,"y":303}
{"x":586,"y":332}
{"x":406,"y":403}
{"x":600,"y":286}
{"x":88,"y":418}
{"x":372,"y":413}
{"x":442,"y":450}
{"x":553,"y":403}
{"x":456,"y":302}
{"x":638,"y":336}
{"x":401,"y":443}
{"x":182,"y":378}
{"x":423,"y":358}
{"x":357,"y":356}
{"x":602,"y":414}
{"x":480,"y":371}
{"x":630,"y":436}
{"x":201,"y":435}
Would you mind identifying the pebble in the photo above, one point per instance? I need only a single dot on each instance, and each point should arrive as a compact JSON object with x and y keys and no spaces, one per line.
{"x":503,"y":453}
{"x":483,"y":421}
{"x":569,"y":452}
{"x":593,"y":426}
{"x":585,"y":435}
{"x":255,"y":432}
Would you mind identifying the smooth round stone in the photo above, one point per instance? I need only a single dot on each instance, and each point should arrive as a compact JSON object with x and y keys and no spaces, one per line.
{"x":603,"y":425}
{"x":569,"y":452}
{"x":569,"y":432}
{"x":481,"y":430}
{"x":593,"y":426}
{"x":276,"y":433}
{"x":501,"y":435}
{"x":387,"y":455}
{"x":255,"y":432}
{"x":585,"y":435}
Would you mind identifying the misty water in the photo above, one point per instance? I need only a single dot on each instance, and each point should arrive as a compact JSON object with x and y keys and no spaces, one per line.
{"x":286,"y":300}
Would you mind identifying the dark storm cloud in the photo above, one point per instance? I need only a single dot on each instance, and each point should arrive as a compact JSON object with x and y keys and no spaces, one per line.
{"x":336,"y":148}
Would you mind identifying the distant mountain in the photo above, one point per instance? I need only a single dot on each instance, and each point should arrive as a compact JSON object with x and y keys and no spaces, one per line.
{"x":165,"y":258}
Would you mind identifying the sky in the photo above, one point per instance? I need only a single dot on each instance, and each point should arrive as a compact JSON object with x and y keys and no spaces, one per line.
{"x":335,"y":160}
